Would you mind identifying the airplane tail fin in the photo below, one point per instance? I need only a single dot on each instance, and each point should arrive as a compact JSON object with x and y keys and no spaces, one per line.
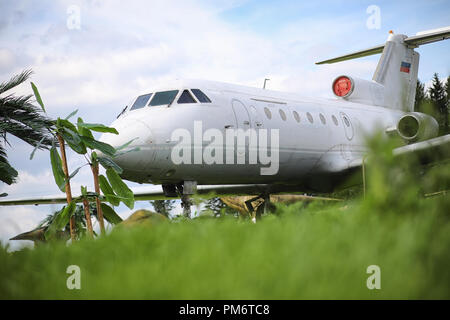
{"x":397,"y":68}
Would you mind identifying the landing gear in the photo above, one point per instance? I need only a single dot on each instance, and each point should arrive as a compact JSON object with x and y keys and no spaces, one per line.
{"x":263,"y":206}
{"x":170,"y":190}
{"x":186,"y":204}
{"x":185,"y":190}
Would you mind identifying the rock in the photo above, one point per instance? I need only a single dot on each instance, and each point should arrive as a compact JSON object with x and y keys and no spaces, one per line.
{"x":143,"y":218}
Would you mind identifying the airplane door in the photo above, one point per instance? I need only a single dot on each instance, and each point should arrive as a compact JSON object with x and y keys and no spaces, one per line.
{"x":256,"y":121}
{"x":348,"y":126}
{"x":241,"y":114}
{"x":242,"y":122}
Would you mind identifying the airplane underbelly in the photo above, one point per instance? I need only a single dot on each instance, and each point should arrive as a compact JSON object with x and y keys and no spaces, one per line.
{"x":292,"y":166}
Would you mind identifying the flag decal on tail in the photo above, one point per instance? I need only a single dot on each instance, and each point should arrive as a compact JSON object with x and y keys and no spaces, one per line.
{"x":405,"y":67}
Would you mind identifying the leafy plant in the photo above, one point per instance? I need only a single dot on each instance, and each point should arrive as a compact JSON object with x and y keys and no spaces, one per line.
{"x":20,"y":118}
{"x":80,"y":139}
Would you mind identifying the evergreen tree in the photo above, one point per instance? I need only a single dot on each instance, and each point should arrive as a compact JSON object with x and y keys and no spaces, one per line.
{"x":439,"y":101}
{"x":447,"y":96}
{"x":421,"y":97}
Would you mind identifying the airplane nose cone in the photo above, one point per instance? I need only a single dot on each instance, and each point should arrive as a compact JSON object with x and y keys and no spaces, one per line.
{"x":129,"y":129}
{"x":134,"y":161}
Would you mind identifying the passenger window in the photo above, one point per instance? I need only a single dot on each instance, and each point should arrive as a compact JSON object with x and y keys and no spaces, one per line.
{"x":268,"y":113}
{"x":186,"y":97}
{"x":282,"y":115}
{"x":163,"y":98}
{"x":141,"y":101}
{"x":200,"y":96}
{"x":322,"y":118}
{"x":296,"y":116}
{"x":309,"y":116}
{"x":347,"y":123}
{"x":334,"y":120}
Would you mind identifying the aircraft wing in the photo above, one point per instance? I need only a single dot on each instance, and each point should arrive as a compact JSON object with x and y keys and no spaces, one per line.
{"x":35,"y":200}
{"x":429,"y":36}
{"x":354,"y":55}
{"x":205,"y":190}
{"x":423,"y":37}
{"x":428,"y":151}
{"x":432,"y":150}
{"x":436,"y":149}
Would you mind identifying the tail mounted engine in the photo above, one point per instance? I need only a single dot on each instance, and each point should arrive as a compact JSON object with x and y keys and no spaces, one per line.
{"x":393,"y":84}
{"x":358,"y":90}
{"x":416,"y":126}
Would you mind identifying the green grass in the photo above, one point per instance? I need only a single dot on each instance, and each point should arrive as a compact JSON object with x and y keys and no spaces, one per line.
{"x":318,"y":252}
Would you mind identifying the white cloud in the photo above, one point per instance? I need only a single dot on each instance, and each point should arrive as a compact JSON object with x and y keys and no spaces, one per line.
{"x":15,"y":220}
{"x":6,"y":59}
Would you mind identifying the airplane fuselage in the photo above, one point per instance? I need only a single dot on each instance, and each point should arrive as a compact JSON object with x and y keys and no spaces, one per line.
{"x":317,"y":137}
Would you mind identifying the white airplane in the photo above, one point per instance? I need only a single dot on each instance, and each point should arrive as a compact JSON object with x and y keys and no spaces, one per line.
{"x":185,"y":130}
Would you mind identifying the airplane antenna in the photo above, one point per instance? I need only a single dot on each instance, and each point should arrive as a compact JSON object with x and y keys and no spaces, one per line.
{"x":265,"y":80}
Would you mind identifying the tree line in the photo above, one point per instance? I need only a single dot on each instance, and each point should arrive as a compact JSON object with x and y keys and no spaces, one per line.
{"x":435,"y":101}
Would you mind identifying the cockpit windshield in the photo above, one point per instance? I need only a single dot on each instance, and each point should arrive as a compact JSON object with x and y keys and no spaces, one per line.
{"x":163,"y":98}
{"x":201,"y":96}
{"x":186,"y":97}
{"x":141,"y":101}
{"x":167,"y":97}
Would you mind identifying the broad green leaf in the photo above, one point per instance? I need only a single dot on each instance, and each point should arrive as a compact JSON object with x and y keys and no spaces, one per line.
{"x":126,"y":144}
{"x":37,"y":96}
{"x":57,"y":169}
{"x":97,"y":127}
{"x":83,"y":191}
{"x":120,"y":188}
{"x":60,"y":221}
{"x":107,"y":162}
{"x":97,"y":145}
{"x":74,"y":173}
{"x":65,"y":124}
{"x":75,"y":137}
{"x":84,"y":131}
{"x":74,"y":141}
{"x":71,"y":114}
{"x":125,"y":152}
{"x":70,"y":134}
{"x":108,"y":190}
{"x":104,"y":185}
{"x":110,"y":215}
{"x":36,"y":147}
{"x":63,"y":218}
{"x":49,"y":233}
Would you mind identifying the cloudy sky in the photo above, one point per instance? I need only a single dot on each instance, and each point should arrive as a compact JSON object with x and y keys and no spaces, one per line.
{"x":96,"y":56}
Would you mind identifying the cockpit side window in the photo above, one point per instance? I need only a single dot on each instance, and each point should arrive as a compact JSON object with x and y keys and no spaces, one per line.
{"x":141,"y":101}
{"x":163,"y":98}
{"x":200,"y":96}
{"x":186,"y":97}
